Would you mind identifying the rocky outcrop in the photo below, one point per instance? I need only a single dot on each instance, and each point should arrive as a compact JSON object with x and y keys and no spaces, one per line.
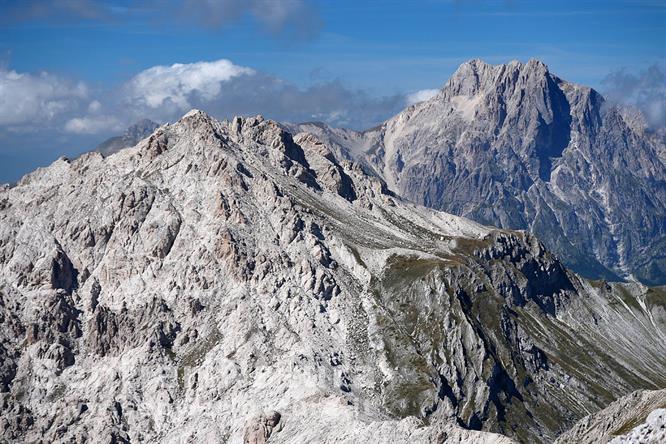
{"x":260,"y":428}
{"x":186,"y":288}
{"x":111,"y":333}
{"x":637,"y":417}
{"x":652,"y":431}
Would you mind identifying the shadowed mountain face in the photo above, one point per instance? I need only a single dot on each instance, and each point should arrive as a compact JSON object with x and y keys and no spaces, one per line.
{"x":516,"y":147}
{"x":233,"y":281}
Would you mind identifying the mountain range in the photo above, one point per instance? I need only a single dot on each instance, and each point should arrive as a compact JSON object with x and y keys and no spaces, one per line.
{"x":251,"y":281}
{"x":515,"y":146}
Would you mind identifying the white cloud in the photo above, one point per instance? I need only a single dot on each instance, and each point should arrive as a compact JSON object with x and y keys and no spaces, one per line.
{"x":93,"y":124}
{"x":31,"y":99}
{"x":224,"y":89}
{"x":421,"y":96}
{"x":164,"y":93}
{"x":94,"y":106}
{"x":177,"y":84}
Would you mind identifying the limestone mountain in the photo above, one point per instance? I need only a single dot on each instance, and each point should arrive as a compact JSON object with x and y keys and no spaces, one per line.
{"x":515,"y":146}
{"x":231,"y":281}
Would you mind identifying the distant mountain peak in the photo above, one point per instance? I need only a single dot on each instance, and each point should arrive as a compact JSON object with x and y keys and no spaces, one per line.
{"x":515,"y":146}
{"x":477,"y":75}
{"x":132,"y":135}
{"x":143,"y":126}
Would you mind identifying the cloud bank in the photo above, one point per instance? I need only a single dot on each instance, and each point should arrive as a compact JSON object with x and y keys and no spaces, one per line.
{"x":645,"y":90}
{"x":36,"y":98}
{"x":224,"y":89}
{"x":287,"y":19}
{"x":93,"y":125}
{"x":49,"y":106}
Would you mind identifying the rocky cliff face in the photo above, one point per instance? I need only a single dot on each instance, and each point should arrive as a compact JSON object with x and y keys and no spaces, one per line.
{"x":232,"y":281}
{"x":515,"y":146}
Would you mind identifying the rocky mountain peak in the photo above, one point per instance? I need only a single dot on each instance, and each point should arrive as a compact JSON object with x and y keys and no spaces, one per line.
{"x":515,"y":146}
{"x":477,"y":76}
{"x":130,"y":137}
{"x":239,"y":263}
{"x":140,"y":129}
{"x":517,"y":107}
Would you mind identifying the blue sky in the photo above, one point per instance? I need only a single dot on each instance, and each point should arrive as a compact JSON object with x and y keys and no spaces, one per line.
{"x":77,"y":70}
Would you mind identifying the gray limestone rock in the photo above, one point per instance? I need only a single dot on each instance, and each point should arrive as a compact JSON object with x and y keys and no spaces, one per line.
{"x":183,"y":289}
{"x":516,"y":147}
{"x":639,"y":417}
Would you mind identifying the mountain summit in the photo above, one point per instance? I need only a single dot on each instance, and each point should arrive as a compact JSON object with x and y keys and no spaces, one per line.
{"x":236,"y":282}
{"x":517,"y":147}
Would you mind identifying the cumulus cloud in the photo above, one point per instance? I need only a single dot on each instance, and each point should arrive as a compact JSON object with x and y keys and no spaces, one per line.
{"x":177,"y":84}
{"x":164,"y":93}
{"x":223,"y":89}
{"x":421,"y":96}
{"x":36,"y":98}
{"x":645,"y":90}
{"x":93,"y":124}
{"x":94,"y":106}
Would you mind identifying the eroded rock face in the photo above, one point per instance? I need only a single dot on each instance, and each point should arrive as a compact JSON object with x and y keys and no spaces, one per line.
{"x":637,"y":417}
{"x":188,"y":288}
{"x":514,"y":146}
{"x":111,"y":333}
{"x":652,"y":431}
{"x":260,"y":428}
